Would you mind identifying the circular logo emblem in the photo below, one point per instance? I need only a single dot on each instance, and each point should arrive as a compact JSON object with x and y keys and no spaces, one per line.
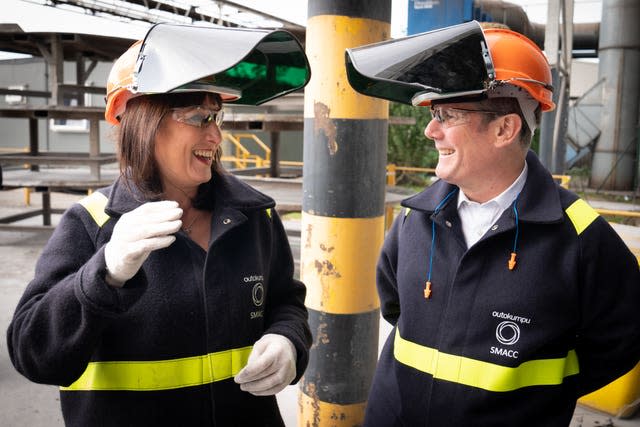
{"x":508,"y":333}
{"x":258,"y":294}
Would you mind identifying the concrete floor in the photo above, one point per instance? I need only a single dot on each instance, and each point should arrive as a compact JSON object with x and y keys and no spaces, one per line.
{"x":23,"y":403}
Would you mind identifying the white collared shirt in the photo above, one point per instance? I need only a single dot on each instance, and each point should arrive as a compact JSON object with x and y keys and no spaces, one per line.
{"x":477,"y":218}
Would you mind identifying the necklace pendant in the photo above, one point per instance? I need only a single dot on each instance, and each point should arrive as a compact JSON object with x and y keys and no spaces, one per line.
{"x":189,"y":227}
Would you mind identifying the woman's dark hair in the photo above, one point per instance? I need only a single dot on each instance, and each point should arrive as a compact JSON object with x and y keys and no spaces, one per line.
{"x":136,"y":139}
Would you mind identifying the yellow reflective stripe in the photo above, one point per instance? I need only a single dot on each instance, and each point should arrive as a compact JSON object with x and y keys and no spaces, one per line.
{"x":407,"y":211}
{"x":581,"y":215}
{"x":484,"y":375}
{"x":95,"y":204}
{"x":162,"y":374}
{"x":268,"y":212}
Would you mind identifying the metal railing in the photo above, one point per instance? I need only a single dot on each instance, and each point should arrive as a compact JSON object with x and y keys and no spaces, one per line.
{"x":393,"y":169}
{"x":242,"y":156}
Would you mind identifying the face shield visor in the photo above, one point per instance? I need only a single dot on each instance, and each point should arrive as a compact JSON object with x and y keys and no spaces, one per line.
{"x":448,"y":63}
{"x":244,"y":66}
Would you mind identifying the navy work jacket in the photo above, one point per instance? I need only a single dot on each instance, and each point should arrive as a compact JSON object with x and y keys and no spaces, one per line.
{"x":163,"y":349}
{"x":494,"y":346}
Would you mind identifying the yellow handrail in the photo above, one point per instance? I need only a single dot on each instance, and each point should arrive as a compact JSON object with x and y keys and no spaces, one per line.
{"x":243,"y":156}
{"x":614,"y":212}
{"x":392,"y":169}
{"x":241,"y":153}
{"x":564,"y":180}
{"x":290,"y":163}
{"x":241,"y":162}
{"x":265,"y":148}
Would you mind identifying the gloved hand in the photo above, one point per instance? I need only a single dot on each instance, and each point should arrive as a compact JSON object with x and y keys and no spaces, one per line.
{"x":271,"y":366}
{"x":137,"y":233}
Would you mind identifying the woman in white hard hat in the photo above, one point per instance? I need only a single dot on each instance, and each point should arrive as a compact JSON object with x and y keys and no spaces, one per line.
{"x":510,"y":297}
{"x":168,"y":298}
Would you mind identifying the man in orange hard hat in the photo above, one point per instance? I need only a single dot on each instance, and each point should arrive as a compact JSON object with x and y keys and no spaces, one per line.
{"x":510,"y":297}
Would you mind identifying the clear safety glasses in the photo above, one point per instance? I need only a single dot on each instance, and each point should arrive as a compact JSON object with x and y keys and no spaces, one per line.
{"x":450,"y":116}
{"x":198,"y":116}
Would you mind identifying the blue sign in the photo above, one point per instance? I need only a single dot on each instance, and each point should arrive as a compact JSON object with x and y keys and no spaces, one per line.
{"x":428,"y":15}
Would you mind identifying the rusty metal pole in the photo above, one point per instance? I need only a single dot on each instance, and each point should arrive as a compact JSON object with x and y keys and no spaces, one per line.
{"x":345,"y":145}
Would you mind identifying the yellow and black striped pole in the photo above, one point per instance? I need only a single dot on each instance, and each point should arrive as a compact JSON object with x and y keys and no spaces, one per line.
{"x":345,"y":146}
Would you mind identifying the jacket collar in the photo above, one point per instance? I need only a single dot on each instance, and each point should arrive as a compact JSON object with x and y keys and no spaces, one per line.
{"x":225,"y":189}
{"x":539,"y":200}
{"x":235,"y":193}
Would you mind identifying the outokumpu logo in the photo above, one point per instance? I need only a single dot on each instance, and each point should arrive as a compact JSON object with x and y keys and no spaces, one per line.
{"x":508,"y":334}
{"x":258,"y":294}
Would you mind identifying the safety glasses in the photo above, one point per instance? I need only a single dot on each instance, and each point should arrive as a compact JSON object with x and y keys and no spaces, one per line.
{"x":450,"y":116}
{"x":198,"y":116}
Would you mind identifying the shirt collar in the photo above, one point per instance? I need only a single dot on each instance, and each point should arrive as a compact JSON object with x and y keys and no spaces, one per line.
{"x":504,"y":199}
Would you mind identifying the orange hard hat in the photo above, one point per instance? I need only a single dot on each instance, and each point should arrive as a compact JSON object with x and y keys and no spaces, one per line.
{"x":248,"y":66}
{"x":453,"y":64}
{"x":519,"y":61}
{"x":120,"y":83}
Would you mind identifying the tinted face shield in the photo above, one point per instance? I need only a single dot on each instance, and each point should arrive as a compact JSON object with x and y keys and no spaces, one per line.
{"x":245,"y":66}
{"x":442,"y":64}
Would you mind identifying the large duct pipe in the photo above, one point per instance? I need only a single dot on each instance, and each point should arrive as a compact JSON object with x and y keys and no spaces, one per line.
{"x":585,"y":35}
{"x":619,"y":52}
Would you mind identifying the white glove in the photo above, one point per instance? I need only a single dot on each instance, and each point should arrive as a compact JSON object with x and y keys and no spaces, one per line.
{"x":136,"y":234}
{"x":271,"y":366}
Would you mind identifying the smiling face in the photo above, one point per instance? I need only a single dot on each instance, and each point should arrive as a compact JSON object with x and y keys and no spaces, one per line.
{"x":163,"y":147}
{"x":185,"y":146}
{"x":472,"y":151}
